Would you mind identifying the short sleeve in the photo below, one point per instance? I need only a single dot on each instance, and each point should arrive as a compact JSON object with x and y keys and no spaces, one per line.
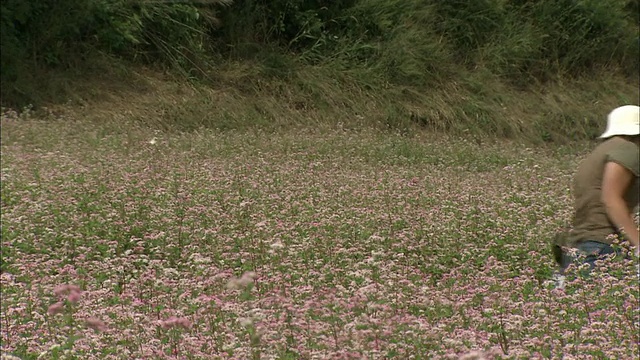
{"x":626,"y":154}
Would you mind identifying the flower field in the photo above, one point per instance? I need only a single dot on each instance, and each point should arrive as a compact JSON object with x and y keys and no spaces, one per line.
{"x":124,"y":243}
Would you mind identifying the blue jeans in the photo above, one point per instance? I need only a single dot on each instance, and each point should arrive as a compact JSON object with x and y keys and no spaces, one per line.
{"x":589,"y":252}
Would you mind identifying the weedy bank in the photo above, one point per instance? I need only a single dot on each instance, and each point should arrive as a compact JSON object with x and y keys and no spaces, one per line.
{"x":537,"y":70}
{"x":121,"y":242}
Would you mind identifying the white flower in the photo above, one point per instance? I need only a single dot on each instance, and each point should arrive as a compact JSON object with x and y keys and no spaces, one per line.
{"x":8,"y":357}
{"x":199,"y":259}
{"x":153,"y":141}
{"x":277,"y":245}
{"x":53,"y":347}
{"x":169,"y":272}
{"x":245,"y":322}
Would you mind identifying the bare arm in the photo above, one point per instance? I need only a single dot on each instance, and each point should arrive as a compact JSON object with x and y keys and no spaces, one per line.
{"x":615,"y":182}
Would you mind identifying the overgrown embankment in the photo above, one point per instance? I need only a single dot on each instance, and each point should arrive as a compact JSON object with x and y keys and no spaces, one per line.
{"x":544,"y":70}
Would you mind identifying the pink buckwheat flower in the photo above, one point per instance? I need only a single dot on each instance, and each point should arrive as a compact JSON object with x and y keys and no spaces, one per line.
{"x":62,"y":290}
{"x":96,"y":324}
{"x":55,"y":308}
{"x":173,"y":321}
{"x":74,"y":296}
{"x":474,"y":355}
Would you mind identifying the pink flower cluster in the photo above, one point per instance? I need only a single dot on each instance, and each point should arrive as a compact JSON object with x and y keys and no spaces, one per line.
{"x":72,"y":293}
{"x":176,"y":322}
{"x":95,"y":324}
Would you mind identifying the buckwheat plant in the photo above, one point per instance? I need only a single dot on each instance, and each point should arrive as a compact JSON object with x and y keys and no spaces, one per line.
{"x":120,"y":242}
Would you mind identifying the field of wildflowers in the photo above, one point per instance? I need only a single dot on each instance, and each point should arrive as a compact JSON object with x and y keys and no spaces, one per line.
{"x":122,"y":243}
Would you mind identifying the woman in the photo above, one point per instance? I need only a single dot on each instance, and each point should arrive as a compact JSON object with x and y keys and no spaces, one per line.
{"x":605,"y":192}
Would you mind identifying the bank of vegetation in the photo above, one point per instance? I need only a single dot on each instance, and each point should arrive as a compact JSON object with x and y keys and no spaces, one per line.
{"x":544,"y":70}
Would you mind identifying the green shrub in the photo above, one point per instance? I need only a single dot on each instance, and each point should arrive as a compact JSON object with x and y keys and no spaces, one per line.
{"x":579,"y":35}
{"x":468,"y":25}
{"x":47,"y":34}
{"x":516,"y":39}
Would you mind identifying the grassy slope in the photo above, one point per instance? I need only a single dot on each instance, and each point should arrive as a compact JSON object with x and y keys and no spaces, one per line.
{"x":470,"y":104}
{"x":468,"y":68}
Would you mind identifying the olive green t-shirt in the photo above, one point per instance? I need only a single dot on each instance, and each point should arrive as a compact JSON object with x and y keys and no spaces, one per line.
{"x":590,"y":220}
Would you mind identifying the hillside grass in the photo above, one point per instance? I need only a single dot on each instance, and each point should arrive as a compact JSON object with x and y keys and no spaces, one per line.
{"x":544,"y":72}
{"x":473,"y":105}
{"x":300,"y":244}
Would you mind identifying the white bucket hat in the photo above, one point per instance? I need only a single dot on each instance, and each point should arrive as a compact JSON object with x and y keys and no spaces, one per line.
{"x":624,"y":120}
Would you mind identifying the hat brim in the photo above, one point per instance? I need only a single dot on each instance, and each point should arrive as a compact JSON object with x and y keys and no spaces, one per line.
{"x":620,"y":132}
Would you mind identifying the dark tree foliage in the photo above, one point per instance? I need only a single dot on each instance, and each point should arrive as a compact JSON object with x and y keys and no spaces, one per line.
{"x":518,"y":39}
